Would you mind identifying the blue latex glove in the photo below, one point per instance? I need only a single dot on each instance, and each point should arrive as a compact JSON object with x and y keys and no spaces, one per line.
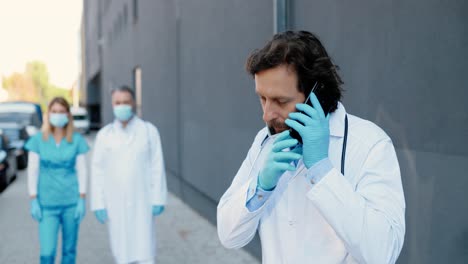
{"x":158,"y":209}
{"x":36,"y":211}
{"x":80,"y":210}
{"x":278,"y":161}
{"x":101,"y":215}
{"x":314,"y":130}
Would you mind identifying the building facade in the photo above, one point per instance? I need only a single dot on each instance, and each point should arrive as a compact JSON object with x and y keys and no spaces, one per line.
{"x":403,"y":64}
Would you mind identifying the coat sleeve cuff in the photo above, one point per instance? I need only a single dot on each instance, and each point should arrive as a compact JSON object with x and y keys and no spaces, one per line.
{"x":256,"y":196}
{"x":317,"y":172}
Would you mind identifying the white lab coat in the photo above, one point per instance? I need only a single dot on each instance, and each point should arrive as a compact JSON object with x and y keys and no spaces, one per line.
{"x":356,"y":218}
{"x":128,"y":178}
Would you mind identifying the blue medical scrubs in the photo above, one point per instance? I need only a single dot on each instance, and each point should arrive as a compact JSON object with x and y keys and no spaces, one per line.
{"x":58,"y":194}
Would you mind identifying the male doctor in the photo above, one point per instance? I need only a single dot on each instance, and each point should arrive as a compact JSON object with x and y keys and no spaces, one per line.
{"x":128,"y":184}
{"x":331,"y":194}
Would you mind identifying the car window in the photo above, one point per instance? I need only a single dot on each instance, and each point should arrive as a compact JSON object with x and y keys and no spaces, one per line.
{"x":79,"y":117}
{"x":36,"y":121}
{"x":19,"y":118}
{"x":12,"y":134}
{"x":22,"y":112}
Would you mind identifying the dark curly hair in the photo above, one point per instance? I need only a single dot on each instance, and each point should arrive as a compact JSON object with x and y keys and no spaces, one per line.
{"x":304,"y":51}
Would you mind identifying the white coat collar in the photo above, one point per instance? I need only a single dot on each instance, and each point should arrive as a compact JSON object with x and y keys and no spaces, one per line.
{"x":118,"y":125}
{"x":337,"y":121}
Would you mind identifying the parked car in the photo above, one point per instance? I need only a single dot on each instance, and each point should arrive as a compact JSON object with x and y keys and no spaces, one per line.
{"x":22,"y":113}
{"x":80,"y":119}
{"x":8,"y":165}
{"x":17,"y":136}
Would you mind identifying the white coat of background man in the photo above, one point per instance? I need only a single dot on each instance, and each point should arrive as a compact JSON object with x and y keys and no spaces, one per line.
{"x":128,"y":184}
{"x":331,"y":191}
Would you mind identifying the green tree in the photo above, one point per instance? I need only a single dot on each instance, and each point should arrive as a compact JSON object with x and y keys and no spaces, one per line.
{"x":20,"y":87}
{"x":38,"y":72}
{"x":34,"y":85}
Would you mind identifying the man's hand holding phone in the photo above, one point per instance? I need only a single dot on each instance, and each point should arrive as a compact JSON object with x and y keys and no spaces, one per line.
{"x":313,"y":126}
{"x":278,"y":161}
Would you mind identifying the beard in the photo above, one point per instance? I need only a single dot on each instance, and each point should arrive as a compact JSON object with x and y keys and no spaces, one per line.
{"x":275,"y":126}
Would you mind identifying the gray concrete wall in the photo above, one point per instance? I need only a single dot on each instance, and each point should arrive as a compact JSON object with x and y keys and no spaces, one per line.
{"x":220,"y":113}
{"x":91,"y":27}
{"x":403,"y":65}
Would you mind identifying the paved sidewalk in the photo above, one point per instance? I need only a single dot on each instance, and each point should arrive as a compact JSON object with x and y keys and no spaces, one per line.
{"x":183,"y":235}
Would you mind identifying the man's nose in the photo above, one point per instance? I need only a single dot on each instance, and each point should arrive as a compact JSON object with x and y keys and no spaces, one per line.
{"x":269,"y":112}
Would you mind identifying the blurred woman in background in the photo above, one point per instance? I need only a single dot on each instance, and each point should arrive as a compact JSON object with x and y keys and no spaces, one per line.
{"x":57,"y":182}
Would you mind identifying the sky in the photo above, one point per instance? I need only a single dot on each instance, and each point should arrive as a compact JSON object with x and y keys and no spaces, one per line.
{"x":45,"y":30}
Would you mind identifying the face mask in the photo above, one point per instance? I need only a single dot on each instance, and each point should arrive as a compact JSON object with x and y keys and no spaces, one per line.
{"x":58,"y":120}
{"x":123,"y":112}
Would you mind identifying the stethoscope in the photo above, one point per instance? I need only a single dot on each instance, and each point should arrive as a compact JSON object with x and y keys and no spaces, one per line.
{"x":345,"y":140}
{"x":343,"y":149}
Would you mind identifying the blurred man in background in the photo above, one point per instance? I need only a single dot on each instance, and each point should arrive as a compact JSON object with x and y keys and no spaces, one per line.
{"x":128,"y":181}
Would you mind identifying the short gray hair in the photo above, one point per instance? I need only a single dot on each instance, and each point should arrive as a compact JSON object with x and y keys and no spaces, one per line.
{"x":124,"y":88}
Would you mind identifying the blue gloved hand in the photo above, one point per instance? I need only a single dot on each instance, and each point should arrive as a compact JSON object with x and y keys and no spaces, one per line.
{"x":158,"y":209}
{"x":36,"y":211}
{"x":278,"y":161}
{"x":80,"y":210}
{"x":314,"y":130}
{"x":101,"y":215}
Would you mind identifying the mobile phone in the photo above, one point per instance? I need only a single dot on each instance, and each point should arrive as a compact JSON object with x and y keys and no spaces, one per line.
{"x":324,"y":102}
